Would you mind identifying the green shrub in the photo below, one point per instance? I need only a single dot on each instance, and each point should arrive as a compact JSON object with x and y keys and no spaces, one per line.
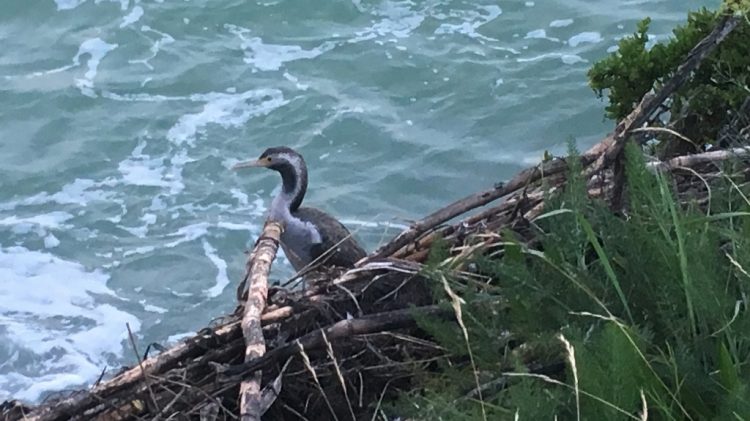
{"x":700,"y":108}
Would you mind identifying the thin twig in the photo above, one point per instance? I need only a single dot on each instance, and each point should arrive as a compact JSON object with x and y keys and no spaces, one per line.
{"x":329,"y":348}
{"x":308,"y":365}
{"x":140,"y":364}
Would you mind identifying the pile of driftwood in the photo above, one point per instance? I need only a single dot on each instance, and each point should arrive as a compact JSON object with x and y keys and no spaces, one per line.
{"x":349,"y":341}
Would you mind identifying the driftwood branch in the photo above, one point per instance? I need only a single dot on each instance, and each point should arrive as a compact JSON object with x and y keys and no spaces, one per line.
{"x":259,"y":266}
{"x":700,"y":158}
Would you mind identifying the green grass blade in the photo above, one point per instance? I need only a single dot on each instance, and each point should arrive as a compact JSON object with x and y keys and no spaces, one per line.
{"x":681,"y":251}
{"x":605,"y":262}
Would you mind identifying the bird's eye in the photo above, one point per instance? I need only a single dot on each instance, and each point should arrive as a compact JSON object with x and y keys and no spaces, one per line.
{"x":268,"y":158}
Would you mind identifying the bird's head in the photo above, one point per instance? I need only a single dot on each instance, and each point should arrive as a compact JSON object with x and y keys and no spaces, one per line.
{"x":280,"y":158}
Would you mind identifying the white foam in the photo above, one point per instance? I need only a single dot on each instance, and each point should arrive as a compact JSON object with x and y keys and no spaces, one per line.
{"x":539,"y":57}
{"x":572,"y":59}
{"x":142,"y":170}
{"x":585,"y":38}
{"x":179,"y":336}
{"x":96,"y":48}
{"x":50,"y":241}
{"x":267,"y":57}
{"x":295,"y":80}
{"x":51,"y":220}
{"x":221,"y":108}
{"x":374,"y":224}
{"x":565,"y":58}
{"x":80,"y":192}
{"x":227,"y":110}
{"x":560,"y":23}
{"x":233,"y":226}
{"x":68,"y":4}
{"x":222,"y":280}
{"x":470,"y":21}
{"x":188,"y":233}
{"x":397,"y":20}
{"x":156,"y":45}
{"x":138,"y":250}
{"x":132,"y":17}
{"x":152,"y":308}
{"x":241,"y":197}
{"x":537,"y":33}
{"x":540,"y":34}
{"x":50,"y":317}
{"x":506,"y":49}
{"x":149,"y":218}
{"x":140,"y":97}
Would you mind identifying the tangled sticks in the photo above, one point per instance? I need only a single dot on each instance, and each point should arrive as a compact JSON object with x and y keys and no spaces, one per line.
{"x":336,"y":349}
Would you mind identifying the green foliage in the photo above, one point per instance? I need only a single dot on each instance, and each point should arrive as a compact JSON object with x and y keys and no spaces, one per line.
{"x":700,"y":107}
{"x":655,"y":306}
{"x":741,"y":7}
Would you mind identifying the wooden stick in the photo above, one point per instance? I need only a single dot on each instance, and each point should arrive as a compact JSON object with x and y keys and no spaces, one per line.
{"x":699,"y":158}
{"x":259,"y":265}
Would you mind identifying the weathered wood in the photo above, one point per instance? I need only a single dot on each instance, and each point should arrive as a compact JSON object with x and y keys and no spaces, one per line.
{"x":259,"y":266}
{"x":700,"y":158}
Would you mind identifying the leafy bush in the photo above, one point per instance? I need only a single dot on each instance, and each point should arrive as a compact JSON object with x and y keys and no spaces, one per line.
{"x":701,"y":107}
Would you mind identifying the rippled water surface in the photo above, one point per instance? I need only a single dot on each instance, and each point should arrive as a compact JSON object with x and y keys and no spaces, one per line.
{"x":119,"y":121}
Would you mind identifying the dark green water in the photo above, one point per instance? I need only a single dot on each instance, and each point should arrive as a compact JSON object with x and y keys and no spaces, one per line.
{"x":119,"y":121}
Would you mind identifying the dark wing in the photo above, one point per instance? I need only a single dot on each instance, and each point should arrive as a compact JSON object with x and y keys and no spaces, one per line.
{"x":333,"y":234}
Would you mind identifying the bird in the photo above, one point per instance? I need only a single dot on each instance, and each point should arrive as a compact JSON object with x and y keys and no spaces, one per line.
{"x":310,"y":236}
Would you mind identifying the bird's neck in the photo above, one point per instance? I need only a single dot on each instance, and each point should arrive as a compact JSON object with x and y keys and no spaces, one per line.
{"x":293,"y":188}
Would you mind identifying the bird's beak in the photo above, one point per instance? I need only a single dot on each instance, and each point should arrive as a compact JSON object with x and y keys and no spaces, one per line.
{"x":248,"y":164}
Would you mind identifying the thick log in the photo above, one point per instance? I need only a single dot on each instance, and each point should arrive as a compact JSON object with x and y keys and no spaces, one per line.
{"x":259,"y":266}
